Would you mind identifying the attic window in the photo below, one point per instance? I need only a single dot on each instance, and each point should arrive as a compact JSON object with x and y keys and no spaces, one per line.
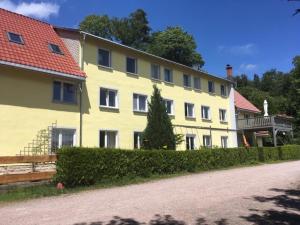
{"x":16,"y":38}
{"x":55,"y":49}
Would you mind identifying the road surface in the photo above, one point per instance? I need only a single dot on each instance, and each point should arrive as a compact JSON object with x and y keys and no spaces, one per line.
{"x":266,"y":194}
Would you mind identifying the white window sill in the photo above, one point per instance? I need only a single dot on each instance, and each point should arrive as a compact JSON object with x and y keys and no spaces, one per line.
{"x":155,"y":79}
{"x":169,"y":82}
{"x":224,"y":121}
{"x":190,"y":117}
{"x":109,"y":107}
{"x":105,"y":67}
{"x":206,"y":120}
{"x":138,"y":111}
{"x":187,"y":87}
{"x":132,"y":74}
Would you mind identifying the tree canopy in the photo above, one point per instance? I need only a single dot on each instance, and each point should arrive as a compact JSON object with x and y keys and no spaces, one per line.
{"x":173,"y":43}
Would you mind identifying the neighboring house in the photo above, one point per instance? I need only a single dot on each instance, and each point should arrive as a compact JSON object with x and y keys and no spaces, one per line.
{"x":42,"y":84}
{"x":39,"y":83}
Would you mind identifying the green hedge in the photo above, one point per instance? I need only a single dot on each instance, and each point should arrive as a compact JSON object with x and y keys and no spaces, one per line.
{"x":86,"y":166}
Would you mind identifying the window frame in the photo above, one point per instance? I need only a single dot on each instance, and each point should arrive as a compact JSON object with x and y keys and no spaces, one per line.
{"x":109,"y":58}
{"x":107,"y":98}
{"x":171,"y":75}
{"x":172,"y":106}
{"x":152,"y":65}
{"x":213,"y":87}
{"x":135,"y":65}
{"x":105,"y":138}
{"x":195,"y":143}
{"x":204,"y":142}
{"x":60,"y":137}
{"x":198,"y":89}
{"x":50,"y":46}
{"x":146,"y":103}
{"x":225,"y":90}
{"x":62,"y":93}
{"x":189,"y":80}
{"x":139,"y":133}
{"x":209,"y":113}
{"x":222,"y":143}
{"x":187,"y":116}
{"x":13,"y":41}
{"x":225,"y":115}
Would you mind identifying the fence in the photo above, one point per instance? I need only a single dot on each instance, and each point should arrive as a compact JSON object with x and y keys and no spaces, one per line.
{"x":34,"y":163}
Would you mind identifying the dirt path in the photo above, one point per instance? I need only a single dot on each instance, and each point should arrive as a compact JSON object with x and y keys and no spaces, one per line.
{"x":267,"y":194}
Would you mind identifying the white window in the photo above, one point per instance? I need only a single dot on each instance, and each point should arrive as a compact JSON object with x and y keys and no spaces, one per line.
{"x":187,"y":82}
{"x":108,"y":98}
{"x":63,"y":137}
{"x":155,"y":71}
{"x":190,"y":141}
{"x":189,"y":110}
{"x":104,"y":58}
{"x":140,"y":103}
{"x":108,"y":139}
{"x":224,"y":141}
{"x":16,"y":38}
{"x":169,"y":106}
{"x":168,"y":75}
{"x":64,"y":92}
{"x":222,"y":115}
{"x":205,"y":112}
{"x":197,"y":83}
{"x":206,"y":140}
{"x":131,"y":65}
{"x":137,"y":140}
{"x":223,"y":90}
{"x":211,"y":87}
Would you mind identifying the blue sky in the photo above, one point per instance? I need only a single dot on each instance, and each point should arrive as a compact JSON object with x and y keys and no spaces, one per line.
{"x":251,"y":35}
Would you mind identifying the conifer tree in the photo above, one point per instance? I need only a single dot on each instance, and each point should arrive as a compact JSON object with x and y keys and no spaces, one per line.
{"x":159,"y":131}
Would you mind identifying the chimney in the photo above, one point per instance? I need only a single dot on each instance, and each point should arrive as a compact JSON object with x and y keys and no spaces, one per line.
{"x":229,"y":72}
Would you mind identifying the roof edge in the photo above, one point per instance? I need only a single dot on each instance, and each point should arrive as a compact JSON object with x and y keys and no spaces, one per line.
{"x":247,"y":110}
{"x":17,"y":65}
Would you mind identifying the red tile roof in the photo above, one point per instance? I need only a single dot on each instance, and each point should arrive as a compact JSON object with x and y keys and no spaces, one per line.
{"x":243,"y":104}
{"x":35,"y":52}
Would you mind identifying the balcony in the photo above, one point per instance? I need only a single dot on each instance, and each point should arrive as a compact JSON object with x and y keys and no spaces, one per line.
{"x":264,"y":122}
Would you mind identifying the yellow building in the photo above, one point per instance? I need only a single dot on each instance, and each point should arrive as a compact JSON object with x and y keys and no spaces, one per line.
{"x":46,"y":101}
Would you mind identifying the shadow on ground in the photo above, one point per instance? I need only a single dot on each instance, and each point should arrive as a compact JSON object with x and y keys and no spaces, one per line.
{"x":286,"y":211}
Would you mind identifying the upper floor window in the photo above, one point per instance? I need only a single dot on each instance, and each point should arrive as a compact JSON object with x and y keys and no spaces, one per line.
{"x":222,"y":115}
{"x":189,"y":110}
{"x":64,"y":92}
{"x":104,"y":58}
{"x":108,"y":98}
{"x":131,"y":65}
{"x":187,"y":82}
{"x":205,"y":112}
{"x":155,"y":71}
{"x":197,"y":83}
{"x":140,"y":103}
{"x":55,"y":49}
{"x":211,"y":87}
{"x":169,"y":106}
{"x":16,"y":38}
{"x":223,"y":90}
{"x":168,"y":75}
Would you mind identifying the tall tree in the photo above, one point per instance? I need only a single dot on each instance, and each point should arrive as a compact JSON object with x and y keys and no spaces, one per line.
{"x":98,"y":25}
{"x":159,"y":131}
{"x":177,"y":45}
{"x":256,"y":81}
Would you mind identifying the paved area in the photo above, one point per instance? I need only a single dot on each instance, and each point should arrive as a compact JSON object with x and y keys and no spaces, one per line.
{"x":267,"y":194}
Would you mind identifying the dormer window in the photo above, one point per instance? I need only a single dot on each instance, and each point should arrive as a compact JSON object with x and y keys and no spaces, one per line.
{"x":55,"y":49}
{"x":16,"y":38}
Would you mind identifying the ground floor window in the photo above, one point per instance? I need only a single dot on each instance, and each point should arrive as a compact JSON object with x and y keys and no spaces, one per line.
{"x":63,"y":137}
{"x":206,"y":140}
{"x":137,"y":139}
{"x":190,"y":142}
{"x":108,"y":139}
{"x":224,"y":140}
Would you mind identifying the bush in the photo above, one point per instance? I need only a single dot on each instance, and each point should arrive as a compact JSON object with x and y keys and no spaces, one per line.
{"x":86,"y":166}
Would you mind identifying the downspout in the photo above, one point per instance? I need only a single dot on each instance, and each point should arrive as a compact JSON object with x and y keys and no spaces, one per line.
{"x":81,"y":90}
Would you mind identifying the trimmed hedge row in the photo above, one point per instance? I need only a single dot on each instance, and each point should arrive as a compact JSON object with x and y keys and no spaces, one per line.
{"x":86,"y":166}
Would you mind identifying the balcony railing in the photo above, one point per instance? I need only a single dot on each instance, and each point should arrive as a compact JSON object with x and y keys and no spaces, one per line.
{"x":264,"y":122}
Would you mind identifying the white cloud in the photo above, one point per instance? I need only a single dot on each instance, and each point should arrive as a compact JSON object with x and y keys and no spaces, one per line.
{"x":40,"y":10}
{"x":247,"y":49}
{"x":248,"y":67}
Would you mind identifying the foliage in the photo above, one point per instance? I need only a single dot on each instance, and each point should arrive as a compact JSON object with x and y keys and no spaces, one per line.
{"x":159,"y":131}
{"x":134,"y":31}
{"x":86,"y":166}
{"x":177,"y":45}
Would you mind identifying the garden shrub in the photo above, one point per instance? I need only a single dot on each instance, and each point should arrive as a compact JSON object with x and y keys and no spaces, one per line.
{"x":87,"y":166}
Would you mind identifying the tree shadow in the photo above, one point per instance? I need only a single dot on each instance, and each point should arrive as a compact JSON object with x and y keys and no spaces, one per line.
{"x":287,"y":202}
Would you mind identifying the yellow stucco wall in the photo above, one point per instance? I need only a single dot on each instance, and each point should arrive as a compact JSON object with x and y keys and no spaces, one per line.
{"x":124,"y":120}
{"x":26,"y":107}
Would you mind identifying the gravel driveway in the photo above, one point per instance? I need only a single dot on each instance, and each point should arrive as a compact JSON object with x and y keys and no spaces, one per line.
{"x":267,"y":194}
